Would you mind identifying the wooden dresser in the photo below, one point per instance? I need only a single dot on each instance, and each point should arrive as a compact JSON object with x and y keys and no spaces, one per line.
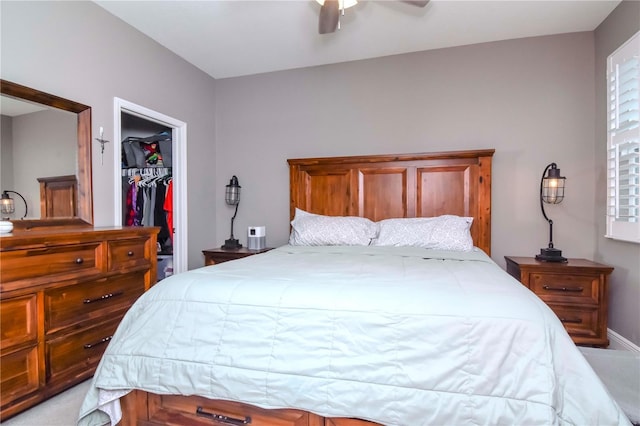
{"x":62,"y":295}
{"x":576,"y":290}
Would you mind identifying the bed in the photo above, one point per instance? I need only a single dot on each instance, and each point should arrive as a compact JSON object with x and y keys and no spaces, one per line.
{"x":369,"y":330}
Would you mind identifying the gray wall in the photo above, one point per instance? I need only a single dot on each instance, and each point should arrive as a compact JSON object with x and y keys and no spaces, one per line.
{"x":530,"y":99}
{"x":78,"y":51}
{"x":624,"y":312}
{"x":44,"y":145}
{"x":6,"y":153}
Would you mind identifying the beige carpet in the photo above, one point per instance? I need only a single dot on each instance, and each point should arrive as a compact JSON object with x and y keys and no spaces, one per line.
{"x":620,"y":372}
{"x":61,"y":410}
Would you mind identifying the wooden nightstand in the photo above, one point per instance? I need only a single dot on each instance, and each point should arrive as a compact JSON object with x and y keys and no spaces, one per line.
{"x":219,"y":255}
{"x":576,"y":291}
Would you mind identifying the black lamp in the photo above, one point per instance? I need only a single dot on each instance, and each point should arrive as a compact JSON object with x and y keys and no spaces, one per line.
{"x":232,"y":197}
{"x":7,"y":206}
{"x":551,"y":192}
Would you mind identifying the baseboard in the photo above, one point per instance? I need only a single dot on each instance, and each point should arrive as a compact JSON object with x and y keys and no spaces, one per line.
{"x":619,"y":342}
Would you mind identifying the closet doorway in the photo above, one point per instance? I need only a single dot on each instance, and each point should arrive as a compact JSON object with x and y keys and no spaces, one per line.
{"x":150,"y":186}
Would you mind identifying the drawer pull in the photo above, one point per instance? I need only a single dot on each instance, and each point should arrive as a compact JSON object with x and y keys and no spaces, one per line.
{"x":571,"y":320}
{"x":574,"y":289}
{"x":222,"y":419}
{"x":103,"y":297}
{"x":129,"y":253}
{"x":101,"y":342}
{"x":79,"y":261}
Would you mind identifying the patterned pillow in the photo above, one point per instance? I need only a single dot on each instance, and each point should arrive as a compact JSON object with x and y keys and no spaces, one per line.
{"x":446,"y":232}
{"x":310,"y":229}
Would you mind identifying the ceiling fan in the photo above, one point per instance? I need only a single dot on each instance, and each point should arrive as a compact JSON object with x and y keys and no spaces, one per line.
{"x":330,"y":12}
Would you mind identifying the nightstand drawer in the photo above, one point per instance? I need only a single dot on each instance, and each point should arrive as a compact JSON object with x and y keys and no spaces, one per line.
{"x":565,"y":288}
{"x":578,"y":320}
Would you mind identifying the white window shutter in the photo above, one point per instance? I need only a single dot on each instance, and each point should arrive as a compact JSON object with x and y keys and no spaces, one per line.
{"x":623,"y":153}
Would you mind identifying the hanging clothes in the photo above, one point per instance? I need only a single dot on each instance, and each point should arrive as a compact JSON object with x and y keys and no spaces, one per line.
{"x":168,"y":207}
{"x":132,"y":196}
{"x":147,"y":209}
{"x":144,"y":202}
{"x":160,"y":219}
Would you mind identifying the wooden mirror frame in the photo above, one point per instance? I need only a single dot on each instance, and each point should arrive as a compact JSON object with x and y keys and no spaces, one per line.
{"x":84,"y":213}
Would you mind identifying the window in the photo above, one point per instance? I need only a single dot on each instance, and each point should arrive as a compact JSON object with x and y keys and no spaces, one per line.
{"x":623,"y":142}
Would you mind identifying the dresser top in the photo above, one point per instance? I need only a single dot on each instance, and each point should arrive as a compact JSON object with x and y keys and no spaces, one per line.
{"x":531,"y":262}
{"x":47,"y":236}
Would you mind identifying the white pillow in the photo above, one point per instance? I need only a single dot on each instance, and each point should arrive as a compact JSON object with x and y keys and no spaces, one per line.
{"x":310,"y":229}
{"x":446,"y":232}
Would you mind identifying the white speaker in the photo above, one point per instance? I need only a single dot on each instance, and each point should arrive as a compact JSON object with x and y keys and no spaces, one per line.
{"x":256,"y":237}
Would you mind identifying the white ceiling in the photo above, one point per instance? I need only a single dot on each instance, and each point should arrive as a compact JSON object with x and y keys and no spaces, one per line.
{"x":235,"y":38}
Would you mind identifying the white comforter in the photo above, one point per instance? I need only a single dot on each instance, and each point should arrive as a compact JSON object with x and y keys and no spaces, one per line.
{"x":400,"y":336}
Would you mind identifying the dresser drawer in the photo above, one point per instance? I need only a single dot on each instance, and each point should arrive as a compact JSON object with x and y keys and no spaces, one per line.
{"x":128,"y":254}
{"x":18,"y":320}
{"x":78,"y":353}
{"x":578,"y":320}
{"x":195,"y":411}
{"x":18,"y":373}
{"x":77,"y":304}
{"x":47,"y":262}
{"x":565,"y":288}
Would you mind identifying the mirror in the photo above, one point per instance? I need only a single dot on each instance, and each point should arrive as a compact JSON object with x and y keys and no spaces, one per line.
{"x":83,"y":189}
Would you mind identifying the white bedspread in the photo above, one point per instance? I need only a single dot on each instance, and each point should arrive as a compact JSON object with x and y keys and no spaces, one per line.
{"x":400,"y":336}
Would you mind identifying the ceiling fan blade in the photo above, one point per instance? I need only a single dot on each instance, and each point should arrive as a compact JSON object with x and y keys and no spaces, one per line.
{"x":419,"y":3}
{"x":329,"y":16}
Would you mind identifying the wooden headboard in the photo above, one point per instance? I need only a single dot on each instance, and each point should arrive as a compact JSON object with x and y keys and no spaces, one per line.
{"x":391,"y":186}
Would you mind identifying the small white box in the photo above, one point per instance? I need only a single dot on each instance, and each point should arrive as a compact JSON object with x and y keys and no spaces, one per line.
{"x":256,"y":237}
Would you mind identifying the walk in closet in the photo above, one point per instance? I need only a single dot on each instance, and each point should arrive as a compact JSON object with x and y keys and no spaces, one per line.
{"x":147,"y":183}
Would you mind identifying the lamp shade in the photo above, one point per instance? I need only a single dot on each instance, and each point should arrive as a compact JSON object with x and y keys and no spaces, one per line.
{"x":7,"y":206}
{"x":553,"y":186}
{"x":232,"y":192}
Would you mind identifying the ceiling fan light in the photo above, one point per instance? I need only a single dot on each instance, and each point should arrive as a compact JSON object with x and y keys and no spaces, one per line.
{"x":347,"y":3}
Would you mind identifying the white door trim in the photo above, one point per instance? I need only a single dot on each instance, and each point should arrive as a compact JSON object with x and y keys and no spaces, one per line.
{"x":179,"y":166}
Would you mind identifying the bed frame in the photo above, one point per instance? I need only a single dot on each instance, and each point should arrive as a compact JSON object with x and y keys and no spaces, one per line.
{"x":377,"y":187}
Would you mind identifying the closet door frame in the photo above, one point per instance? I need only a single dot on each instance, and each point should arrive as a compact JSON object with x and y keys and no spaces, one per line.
{"x":178,"y":169}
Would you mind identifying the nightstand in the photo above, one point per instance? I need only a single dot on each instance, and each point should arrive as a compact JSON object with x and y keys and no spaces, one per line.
{"x":219,"y":255}
{"x":576,"y":291}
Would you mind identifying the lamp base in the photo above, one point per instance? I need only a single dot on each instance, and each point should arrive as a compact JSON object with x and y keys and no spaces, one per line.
{"x":550,"y":255}
{"x":232,"y":244}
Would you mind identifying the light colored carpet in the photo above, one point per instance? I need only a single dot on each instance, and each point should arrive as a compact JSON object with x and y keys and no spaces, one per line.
{"x":61,"y":410}
{"x":620,"y":372}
